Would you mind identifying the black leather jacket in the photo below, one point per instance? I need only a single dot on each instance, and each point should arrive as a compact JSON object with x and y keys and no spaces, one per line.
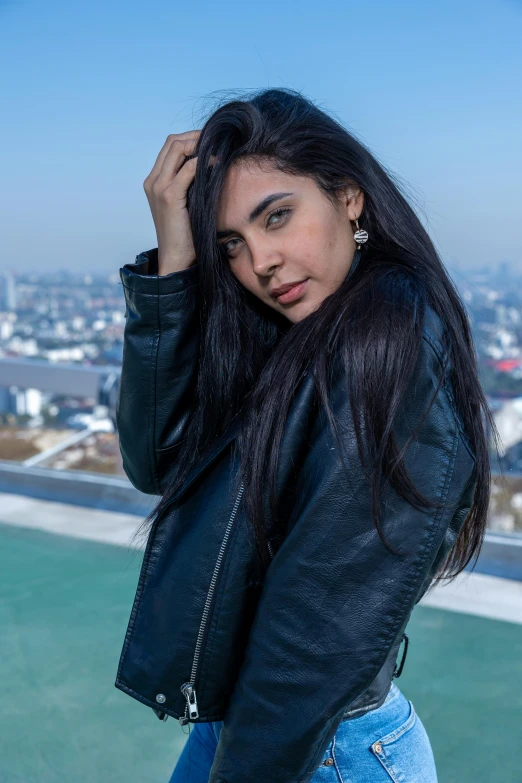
{"x":283,"y":658}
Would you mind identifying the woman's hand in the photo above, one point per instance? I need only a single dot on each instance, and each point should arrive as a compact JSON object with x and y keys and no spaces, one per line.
{"x":166,"y":188}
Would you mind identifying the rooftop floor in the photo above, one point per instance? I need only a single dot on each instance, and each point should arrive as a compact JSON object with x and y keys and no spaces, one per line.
{"x":64,"y":610}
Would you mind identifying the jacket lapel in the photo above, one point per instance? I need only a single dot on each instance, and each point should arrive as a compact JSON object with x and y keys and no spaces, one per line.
{"x":208,"y":456}
{"x":293,"y":441}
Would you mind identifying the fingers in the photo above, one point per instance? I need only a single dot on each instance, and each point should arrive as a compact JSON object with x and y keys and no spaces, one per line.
{"x":177,"y":190}
{"x":191,"y":135}
{"x":176,"y":156}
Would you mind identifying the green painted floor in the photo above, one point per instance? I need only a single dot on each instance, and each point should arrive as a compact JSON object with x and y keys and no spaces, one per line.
{"x":64,"y":605}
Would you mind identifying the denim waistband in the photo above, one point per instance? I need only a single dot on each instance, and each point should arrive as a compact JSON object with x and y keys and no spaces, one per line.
{"x":392,"y":693}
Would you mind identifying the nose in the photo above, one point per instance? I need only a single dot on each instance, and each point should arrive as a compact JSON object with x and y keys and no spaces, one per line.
{"x":265,"y":261}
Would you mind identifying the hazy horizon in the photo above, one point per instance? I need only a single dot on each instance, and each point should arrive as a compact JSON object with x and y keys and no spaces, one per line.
{"x":93,"y":91}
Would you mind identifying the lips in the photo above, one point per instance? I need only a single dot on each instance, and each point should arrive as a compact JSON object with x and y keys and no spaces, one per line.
{"x":282,"y":289}
{"x":293,"y":293}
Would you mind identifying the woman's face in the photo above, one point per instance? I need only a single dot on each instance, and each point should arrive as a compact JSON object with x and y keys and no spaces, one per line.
{"x":298,"y":236}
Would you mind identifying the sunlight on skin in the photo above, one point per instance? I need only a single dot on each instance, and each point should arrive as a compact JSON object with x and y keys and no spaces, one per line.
{"x":312,"y":241}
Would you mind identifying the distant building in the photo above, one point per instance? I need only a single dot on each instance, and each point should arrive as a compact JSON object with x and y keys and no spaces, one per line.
{"x":6,"y":327}
{"x":20,"y":401}
{"x":7,"y":292}
{"x":508,"y":419}
{"x":504,"y":269}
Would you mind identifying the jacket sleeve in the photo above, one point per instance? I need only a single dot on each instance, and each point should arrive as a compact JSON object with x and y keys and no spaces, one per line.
{"x":159,"y":367}
{"x":335,"y":599}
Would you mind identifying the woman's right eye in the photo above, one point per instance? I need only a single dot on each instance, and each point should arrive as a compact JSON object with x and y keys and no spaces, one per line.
{"x":226,"y":247}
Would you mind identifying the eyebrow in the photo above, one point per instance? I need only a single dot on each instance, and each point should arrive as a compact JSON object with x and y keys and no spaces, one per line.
{"x":256,"y":211}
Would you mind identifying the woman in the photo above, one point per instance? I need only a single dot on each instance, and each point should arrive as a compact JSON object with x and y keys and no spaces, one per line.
{"x":299,"y":384}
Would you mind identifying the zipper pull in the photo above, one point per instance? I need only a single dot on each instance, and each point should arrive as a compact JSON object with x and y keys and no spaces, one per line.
{"x":192,"y":703}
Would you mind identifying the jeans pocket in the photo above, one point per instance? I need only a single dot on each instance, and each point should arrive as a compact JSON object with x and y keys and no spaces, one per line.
{"x":405,"y":753}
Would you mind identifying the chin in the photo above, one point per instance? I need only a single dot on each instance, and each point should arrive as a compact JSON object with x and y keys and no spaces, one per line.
{"x":303,"y":311}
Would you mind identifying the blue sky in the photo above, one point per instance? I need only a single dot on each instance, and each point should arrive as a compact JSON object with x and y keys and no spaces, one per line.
{"x":91,"y":90}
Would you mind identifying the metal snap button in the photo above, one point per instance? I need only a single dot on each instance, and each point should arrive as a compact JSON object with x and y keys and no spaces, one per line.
{"x":328,"y":762}
{"x":161,"y":698}
{"x":377,"y":747}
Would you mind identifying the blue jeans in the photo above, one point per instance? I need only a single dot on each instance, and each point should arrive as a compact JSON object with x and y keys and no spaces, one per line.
{"x":383,"y":745}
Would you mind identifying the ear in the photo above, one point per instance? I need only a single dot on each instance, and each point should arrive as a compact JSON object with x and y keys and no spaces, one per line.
{"x":353,"y":201}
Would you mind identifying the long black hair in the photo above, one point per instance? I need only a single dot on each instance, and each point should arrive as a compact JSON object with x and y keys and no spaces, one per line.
{"x":252,"y":360}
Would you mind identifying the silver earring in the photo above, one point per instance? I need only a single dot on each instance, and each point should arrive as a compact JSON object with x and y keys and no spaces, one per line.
{"x":360,"y":235}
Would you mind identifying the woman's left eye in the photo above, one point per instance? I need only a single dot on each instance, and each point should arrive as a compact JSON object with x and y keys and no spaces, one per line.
{"x":278,"y":213}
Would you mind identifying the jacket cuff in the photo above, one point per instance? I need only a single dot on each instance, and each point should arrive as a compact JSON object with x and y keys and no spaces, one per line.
{"x":142,"y":276}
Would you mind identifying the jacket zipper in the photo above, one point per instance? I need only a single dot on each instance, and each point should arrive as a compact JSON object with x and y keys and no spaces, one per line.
{"x":188,"y":689}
